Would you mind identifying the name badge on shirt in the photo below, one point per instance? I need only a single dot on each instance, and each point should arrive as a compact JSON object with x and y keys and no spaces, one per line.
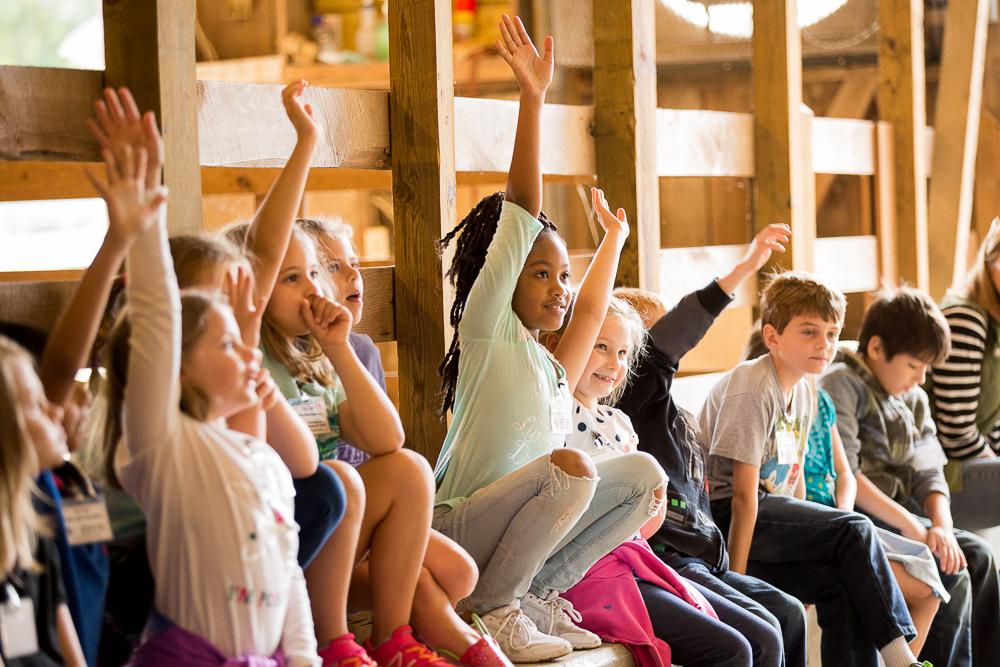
{"x":562,"y":411}
{"x":313,"y":411}
{"x":17,"y":626}
{"x":788,"y":447}
{"x":87,"y":521}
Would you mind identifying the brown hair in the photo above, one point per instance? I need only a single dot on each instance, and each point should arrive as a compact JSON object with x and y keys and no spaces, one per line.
{"x":195,"y":256}
{"x":18,"y":464}
{"x":795,"y":293}
{"x":979,"y":286}
{"x":195,"y":307}
{"x":908,"y":322}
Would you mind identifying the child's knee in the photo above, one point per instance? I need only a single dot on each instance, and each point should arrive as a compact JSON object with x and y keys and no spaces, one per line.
{"x":354,"y":487}
{"x":411,"y":469}
{"x":574,"y":463}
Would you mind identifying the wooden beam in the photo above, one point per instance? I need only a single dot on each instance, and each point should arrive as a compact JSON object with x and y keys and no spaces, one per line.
{"x":956,"y":125}
{"x":901,"y":102}
{"x":782,"y":132}
{"x":149,"y":46}
{"x":987,"y":200}
{"x":625,"y":129}
{"x":37,"y":299}
{"x":422,"y":110}
{"x":43,"y":111}
{"x":885,"y":203}
{"x":704,"y":143}
{"x":852,"y":99}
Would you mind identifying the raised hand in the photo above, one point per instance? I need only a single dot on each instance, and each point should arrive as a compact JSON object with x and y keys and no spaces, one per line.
{"x":132,"y":206}
{"x":248,"y":309}
{"x":767,"y":241}
{"x":533,"y":72}
{"x":120,"y":124}
{"x":611,"y":223}
{"x":299,"y":111}
{"x":328,"y":321}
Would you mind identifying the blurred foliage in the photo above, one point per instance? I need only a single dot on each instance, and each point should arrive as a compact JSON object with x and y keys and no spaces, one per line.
{"x":32,"y":30}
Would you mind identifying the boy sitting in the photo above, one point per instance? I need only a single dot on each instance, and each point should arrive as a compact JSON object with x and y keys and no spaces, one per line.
{"x":885,"y":423}
{"x":755,"y":423}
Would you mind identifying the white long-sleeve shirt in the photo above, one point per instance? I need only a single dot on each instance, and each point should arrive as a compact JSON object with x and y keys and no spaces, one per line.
{"x":221,"y":535}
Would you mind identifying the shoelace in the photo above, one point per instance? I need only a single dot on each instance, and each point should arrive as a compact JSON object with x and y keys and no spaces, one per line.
{"x":422,"y":653}
{"x":557,"y":604}
{"x":360,"y":660}
{"x":517,"y":620}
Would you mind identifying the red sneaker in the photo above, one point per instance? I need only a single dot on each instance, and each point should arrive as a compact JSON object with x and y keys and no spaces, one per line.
{"x":402,"y":650}
{"x":485,"y":653}
{"x":345,"y":652}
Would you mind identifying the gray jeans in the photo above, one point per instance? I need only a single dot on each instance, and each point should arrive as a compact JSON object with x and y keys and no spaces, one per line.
{"x":976,"y":506}
{"x":540,"y":529}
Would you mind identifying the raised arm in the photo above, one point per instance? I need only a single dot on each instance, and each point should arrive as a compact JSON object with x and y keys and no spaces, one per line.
{"x":591,"y":305}
{"x":533,"y":74}
{"x":368,"y":419}
{"x":118,"y":124}
{"x":271,"y":229}
{"x":767,"y":241}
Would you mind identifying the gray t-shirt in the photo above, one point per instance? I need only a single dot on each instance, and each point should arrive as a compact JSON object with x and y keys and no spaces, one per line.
{"x":744,"y":419}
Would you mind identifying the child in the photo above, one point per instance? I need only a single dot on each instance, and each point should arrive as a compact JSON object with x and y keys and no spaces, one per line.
{"x":35,"y":624}
{"x":755,"y":423}
{"x":884,"y":419}
{"x":699,"y":626}
{"x":533,"y":514}
{"x":830,"y":481}
{"x":219,"y":504}
{"x":448,"y":574}
{"x":689,"y":540}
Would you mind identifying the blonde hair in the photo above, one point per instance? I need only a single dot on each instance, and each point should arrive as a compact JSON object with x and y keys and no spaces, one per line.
{"x":624,"y":311}
{"x":195,"y":255}
{"x":795,"y":293}
{"x":979,"y":286}
{"x":195,"y":308}
{"x":18,"y":465}
{"x":322,"y":227}
{"x":645,"y":302}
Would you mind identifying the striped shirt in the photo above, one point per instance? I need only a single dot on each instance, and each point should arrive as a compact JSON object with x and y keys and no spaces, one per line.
{"x":957,"y":386}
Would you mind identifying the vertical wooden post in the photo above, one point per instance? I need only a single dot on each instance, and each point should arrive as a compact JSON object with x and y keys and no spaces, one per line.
{"x":901,"y":102}
{"x":783,"y":184}
{"x":149,"y":46}
{"x":422,"y":106}
{"x":885,"y":204}
{"x":956,"y":137}
{"x":625,"y":129}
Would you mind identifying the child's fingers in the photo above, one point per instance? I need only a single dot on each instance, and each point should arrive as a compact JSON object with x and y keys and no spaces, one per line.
{"x":549,"y":48}
{"x":507,"y":30}
{"x":96,"y":132}
{"x":522,"y":34}
{"x":128,"y":104}
{"x":126,"y":161}
{"x":504,"y":53}
{"x":110,"y":165}
{"x":621,"y":214}
{"x":141,"y":158}
{"x":114,"y":105}
{"x":98,"y":185}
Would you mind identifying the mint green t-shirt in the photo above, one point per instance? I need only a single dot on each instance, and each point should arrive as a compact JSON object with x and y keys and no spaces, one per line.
{"x":509,"y":387}
{"x":298,"y":391}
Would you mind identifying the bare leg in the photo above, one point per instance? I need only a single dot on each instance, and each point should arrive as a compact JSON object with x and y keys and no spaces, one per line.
{"x":328,"y":577}
{"x":920,"y":600}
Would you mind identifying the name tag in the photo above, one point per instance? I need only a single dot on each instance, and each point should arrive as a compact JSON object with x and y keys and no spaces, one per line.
{"x":17,"y":627}
{"x":562,"y":412}
{"x":87,"y":521}
{"x":788,"y":447}
{"x":313,"y":411}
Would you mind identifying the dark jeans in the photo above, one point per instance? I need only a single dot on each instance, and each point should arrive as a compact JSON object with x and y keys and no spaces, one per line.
{"x":320,"y":502}
{"x":780,"y":610}
{"x":738,"y":638}
{"x":833,"y":559}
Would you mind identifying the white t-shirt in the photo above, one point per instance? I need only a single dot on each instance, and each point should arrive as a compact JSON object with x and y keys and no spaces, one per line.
{"x":220,"y":505}
{"x":603,"y":432}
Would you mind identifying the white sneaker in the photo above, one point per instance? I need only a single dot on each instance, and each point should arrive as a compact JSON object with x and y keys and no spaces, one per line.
{"x":557,"y":617}
{"x":519,"y":637}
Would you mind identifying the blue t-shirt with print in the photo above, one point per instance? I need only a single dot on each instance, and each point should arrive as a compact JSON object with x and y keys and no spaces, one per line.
{"x":821,"y":477}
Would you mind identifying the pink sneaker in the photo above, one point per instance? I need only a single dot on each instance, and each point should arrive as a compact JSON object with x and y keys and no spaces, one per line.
{"x":402,"y":650}
{"x":485,"y":653}
{"x":345,"y":652}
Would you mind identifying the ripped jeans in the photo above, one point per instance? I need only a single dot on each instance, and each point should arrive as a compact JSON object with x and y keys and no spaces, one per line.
{"x":540,"y":529}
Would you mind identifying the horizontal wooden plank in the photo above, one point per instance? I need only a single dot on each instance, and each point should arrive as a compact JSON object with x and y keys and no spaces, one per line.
{"x":849,"y":262}
{"x":42,"y":111}
{"x":484,"y":137}
{"x":703,"y":143}
{"x":244,"y":124}
{"x":38,"y":303}
{"x":843,"y":146}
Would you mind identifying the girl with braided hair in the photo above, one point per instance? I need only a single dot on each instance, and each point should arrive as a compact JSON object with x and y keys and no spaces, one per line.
{"x":533,"y":514}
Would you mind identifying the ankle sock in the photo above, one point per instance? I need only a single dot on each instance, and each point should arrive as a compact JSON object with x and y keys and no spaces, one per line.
{"x":897,"y":653}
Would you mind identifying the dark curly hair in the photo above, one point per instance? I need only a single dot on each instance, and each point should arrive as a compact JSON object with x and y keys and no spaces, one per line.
{"x":474,"y":233}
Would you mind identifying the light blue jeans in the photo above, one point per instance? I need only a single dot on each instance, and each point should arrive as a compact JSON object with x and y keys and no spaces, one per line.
{"x":540,"y":529}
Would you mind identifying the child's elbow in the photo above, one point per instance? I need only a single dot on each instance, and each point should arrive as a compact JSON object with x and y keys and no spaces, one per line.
{"x":305,"y":464}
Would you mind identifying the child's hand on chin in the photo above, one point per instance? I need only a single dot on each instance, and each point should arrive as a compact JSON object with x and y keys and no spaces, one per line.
{"x":329,"y":322}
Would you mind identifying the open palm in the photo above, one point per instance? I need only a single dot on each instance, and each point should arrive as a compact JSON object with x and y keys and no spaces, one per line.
{"x":533,"y":72}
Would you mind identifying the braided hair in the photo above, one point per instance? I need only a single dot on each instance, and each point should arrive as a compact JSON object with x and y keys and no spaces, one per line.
{"x":474,"y":233}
